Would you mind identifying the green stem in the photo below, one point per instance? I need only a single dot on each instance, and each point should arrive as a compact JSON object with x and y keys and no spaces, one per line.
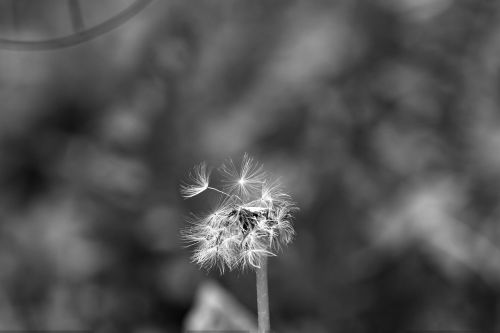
{"x":263,"y":297}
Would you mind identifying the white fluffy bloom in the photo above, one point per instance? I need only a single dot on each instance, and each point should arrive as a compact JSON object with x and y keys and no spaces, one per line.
{"x":251,"y":220}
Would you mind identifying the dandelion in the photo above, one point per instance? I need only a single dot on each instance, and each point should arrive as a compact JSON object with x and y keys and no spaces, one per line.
{"x":251,"y":206}
{"x":251,"y":221}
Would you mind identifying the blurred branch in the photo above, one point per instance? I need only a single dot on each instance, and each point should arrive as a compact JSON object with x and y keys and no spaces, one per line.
{"x":75,"y":12}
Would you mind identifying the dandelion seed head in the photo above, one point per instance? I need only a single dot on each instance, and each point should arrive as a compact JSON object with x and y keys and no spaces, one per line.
{"x":251,"y":220}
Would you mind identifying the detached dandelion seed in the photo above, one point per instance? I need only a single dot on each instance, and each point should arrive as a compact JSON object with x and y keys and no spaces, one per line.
{"x":251,"y":221}
{"x":199,"y":179}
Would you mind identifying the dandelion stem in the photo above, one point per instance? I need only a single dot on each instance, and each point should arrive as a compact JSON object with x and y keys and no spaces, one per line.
{"x":263,"y":297}
{"x":217,"y":190}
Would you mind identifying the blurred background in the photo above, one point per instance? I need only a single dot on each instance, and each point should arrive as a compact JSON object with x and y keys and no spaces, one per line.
{"x":380,"y":116}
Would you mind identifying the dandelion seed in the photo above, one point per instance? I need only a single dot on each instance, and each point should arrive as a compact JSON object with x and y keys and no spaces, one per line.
{"x":245,"y":180}
{"x":200,"y":181}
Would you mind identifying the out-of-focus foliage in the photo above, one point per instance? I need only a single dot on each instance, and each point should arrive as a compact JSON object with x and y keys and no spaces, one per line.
{"x":380,"y":116}
{"x":216,"y":310}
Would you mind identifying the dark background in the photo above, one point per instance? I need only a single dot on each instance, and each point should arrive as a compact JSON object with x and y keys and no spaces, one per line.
{"x":380,"y":116}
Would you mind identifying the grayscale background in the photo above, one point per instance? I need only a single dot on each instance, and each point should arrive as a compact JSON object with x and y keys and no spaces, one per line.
{"x":382,"y":118}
